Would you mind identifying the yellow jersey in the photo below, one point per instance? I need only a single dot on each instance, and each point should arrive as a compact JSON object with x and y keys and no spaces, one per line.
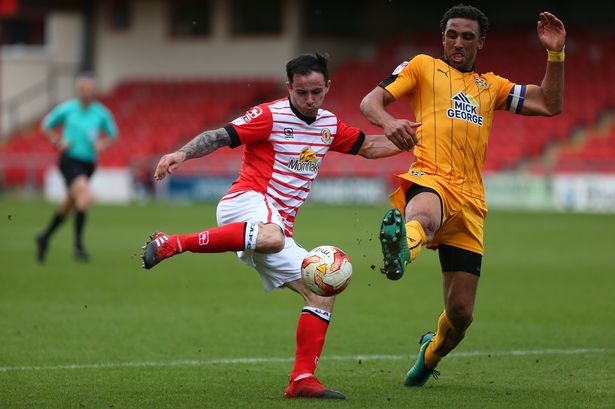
{"x":456,"y":111}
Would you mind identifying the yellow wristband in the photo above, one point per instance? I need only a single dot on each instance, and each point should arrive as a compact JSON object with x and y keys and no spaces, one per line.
{"x":556,"y":56}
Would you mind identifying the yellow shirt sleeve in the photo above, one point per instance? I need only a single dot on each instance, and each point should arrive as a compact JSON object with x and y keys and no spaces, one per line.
{"x":406,"y":74}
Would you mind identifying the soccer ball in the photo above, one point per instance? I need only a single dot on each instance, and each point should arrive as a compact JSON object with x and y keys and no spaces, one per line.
{"x":326,"y":270}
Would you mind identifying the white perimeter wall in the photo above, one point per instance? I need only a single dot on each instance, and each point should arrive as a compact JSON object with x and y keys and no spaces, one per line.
{"x":147,"y":49}
{"x":513,"y":191}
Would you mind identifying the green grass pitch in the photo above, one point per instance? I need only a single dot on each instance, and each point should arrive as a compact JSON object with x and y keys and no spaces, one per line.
{"x":198,"y":331}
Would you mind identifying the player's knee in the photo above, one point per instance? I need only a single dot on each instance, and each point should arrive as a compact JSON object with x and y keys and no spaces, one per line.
{"x":431,"y":229}
{"x":270,"y":239}
{"x":460,"y":316}
{"x":277,"y":243}
{"x":83,"y":200}
{"x":323,"y":303}
{"x":430,"y":226}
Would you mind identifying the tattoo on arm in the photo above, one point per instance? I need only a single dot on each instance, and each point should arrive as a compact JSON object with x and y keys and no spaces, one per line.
{"x":205,"y":143}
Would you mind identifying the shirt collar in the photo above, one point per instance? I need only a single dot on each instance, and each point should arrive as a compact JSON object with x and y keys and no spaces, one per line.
{"x":470,"y":70}
{"x":307,"y":119}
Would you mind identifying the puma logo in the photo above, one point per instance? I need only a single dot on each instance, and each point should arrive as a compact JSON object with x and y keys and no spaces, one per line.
{"x":443,"y":72}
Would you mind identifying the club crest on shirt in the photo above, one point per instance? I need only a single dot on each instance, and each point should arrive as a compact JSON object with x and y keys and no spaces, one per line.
{"x":306,"y":162}
{"x":325,"y":135}
{"x":248,"y":116}
{"x":400,"y":68}
{"x":482,"y":84}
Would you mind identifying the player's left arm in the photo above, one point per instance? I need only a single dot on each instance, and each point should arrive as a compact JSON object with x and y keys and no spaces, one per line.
{"x":547,"y":99}
{"x":377,"y":146}
{"x":110,"y":131}
{"x":201,"y":145}
{"x":103,"y":143}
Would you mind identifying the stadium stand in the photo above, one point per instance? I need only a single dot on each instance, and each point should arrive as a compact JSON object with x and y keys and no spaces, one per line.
{"x":155,"y":116}
{"x":594,"y":153}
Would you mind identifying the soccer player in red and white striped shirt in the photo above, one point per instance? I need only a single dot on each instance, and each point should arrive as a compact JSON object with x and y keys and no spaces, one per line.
{"x":285,"y":143}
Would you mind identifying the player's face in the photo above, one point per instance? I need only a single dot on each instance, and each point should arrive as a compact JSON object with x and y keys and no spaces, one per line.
{"x":307,"y":92}
{"x":461,"y":40}
{"x":86,"y":90}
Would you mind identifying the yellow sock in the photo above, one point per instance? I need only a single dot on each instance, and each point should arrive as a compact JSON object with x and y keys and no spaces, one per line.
{"x":445,"y":340}
{"x":416,"y":238}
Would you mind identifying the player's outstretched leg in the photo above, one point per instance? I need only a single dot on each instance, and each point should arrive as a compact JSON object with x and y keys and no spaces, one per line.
{"x":310,"y":387}
{"x":394,"y":244}
{"x":229,"y":237}
{"x":310,"y":336}
{"x":157,"y":248}
{"x":419,"y":374}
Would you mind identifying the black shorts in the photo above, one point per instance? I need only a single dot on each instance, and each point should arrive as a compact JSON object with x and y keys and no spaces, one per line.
{"x":457,"y":259}
{"x":72,"y":168}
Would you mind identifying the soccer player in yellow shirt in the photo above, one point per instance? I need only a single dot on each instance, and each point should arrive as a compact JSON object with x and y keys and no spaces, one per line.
{"x":440,"y":202}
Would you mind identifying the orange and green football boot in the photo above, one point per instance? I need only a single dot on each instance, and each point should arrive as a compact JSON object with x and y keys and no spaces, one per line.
{"x":419,"y":374}
{"x":394,"y":244}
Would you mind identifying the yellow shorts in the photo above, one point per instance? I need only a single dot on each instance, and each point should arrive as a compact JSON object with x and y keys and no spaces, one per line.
{"x":462,"y":216}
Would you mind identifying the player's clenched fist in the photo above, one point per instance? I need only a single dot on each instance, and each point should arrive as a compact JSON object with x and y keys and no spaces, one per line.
{"x":402,"y":133}
{"x":168,"y":163}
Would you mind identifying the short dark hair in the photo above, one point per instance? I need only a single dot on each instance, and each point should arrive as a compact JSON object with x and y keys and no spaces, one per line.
{"x":469,"y":12}
{"x":306,"y":64}
{"x":85,"y":75}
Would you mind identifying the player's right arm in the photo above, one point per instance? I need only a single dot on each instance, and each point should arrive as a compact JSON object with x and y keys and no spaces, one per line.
{"x":52,"y":121}
{"x":201,"y":145}
{"x":399,"y":131}
{"x":56,"y":140}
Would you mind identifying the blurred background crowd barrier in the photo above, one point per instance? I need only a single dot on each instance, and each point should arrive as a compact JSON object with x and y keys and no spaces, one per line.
{"x":170,"y":69}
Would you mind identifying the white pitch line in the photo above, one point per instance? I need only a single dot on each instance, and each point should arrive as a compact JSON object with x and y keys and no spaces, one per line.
{"x":264,"y":360}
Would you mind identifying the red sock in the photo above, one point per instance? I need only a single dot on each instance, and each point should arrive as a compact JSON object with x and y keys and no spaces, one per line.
{"x":311,"y":331}
{"x":229,"y":237}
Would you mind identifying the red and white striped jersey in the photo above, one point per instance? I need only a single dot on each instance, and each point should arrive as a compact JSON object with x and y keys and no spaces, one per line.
{"x":284,"y":152}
